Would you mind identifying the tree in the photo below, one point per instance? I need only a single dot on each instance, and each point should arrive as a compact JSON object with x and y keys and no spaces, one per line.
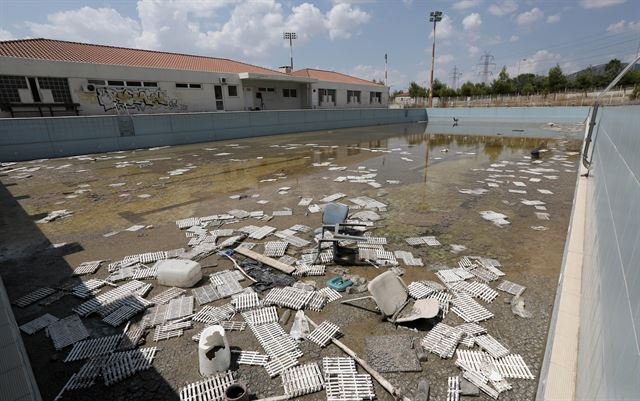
{"x":467,"y":89}
{"x":584,"y":80}
{"x":416,"y":90}
{"x":612,"y":69}
{"x":503,"y":85}
{"x":556,"y":81}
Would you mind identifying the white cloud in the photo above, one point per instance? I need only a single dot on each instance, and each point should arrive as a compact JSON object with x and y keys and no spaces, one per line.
{"x":342,"y":18}
{"x":466,"y":4}
{"x":529,"y":17}
{"x":624,"y":26}
{"x":444,"y":29}
{"x":504,"y":7}
{"x":444,"y":58}
{"x":552,"y":19}
{"x":514,"y":38}
{"x":6,"y":35}
{"x":600,"y":3}
{"x":86,"y":24}
{"x":472,"y":21}
{"x":224,"y":28}
{"x":537,"y":63}
{"x":396,"y":79}
{"x":473,"y":50}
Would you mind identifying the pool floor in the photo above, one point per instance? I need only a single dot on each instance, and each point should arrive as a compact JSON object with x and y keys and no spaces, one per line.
{"x":434,"y":179}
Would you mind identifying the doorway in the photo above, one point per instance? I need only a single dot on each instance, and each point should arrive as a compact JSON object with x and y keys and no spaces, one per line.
{"x":34,"y":90}
{"x":217,"y":90}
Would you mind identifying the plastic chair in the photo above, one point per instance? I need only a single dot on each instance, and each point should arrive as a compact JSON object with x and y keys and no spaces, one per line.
{"x":333,"y":221}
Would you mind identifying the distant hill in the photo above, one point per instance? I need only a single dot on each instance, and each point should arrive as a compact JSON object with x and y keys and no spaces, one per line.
{"x":597,"y":69}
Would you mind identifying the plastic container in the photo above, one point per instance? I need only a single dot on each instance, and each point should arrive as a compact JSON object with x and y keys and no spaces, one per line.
{"x":338,"y":284}
{"x":214,"y":352}
{"x":178,"y":272}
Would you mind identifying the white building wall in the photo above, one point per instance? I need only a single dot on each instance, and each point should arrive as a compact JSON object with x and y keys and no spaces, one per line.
{"x":275,"y":100}
{"x":341,"y":95}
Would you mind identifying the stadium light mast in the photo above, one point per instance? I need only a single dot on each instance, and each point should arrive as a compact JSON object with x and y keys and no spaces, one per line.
{"x":435,"y":17}
{"x":290,"y":36}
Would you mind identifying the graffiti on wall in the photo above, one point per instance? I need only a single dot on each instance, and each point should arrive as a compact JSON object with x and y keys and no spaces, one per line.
{"x":139,"y":99}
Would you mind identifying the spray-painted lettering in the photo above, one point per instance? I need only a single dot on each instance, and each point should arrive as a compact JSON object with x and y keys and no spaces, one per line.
{"x":139,"y":99}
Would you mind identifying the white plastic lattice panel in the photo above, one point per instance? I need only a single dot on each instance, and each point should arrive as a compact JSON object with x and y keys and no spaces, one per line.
{"x":332,"y":295}
{"x":302,"y":380}
{"x":179,"y":307}
{"x":477,"y":380}
{"x":484,"y":274}
{"x":453,"y":388}
{"x":230,"y":325}
{"x":121,"y":315}
{"x":106,"y":299}
{"x":167,"y":295}
{"x":472,"y":329}
{"x":376,"y":240}
{"x":301,"y":227}
{"x":288,"y":297}
{"x":448,"y":276}
{"x":476,"y":289}
{"x":127,"y":363}
{"x":279,"y":364}
{"x":511,"y":288}
{"x":205,"y":294}
{"x":338,"y":365}
{"x":318,"y":301}
{"x":87,"y":268}
{"x":332,"y":198}
{"x":288,"y":260}
{"x":38,"y":324}
{"x":418,"y":290}
{"x":513,"y":366}
{"x":305,"y":201}
{"x":244,"y":302}
{"x":491,"y":346}
{"x":251,"y":358}
{"x":385,"y":255}
{"x":323,"y":334}
{"x":262,"y":232}
{"x":93,"y":347}
{"x":131,"y":338}
{"x":67,"y":331}
{"x":415,"y":241}
{"x":443,"y":298}
{"x":86,"y":376}
{"x":349,"y":387}
{"x":274,"y":249}
{"x":33,"y":296}
{"x":442,"y":340}
{"x":222,"y":232}
{"x":134,"y":302}
{"x":88,"y":288}
{"x":408,"y":258}
{"x":188,"y":222}
{"x":281,"y":345}
{"x":463,"y":273}
{"x":258,"y":317}
{"x":213,"y":314}
{"x":282,"y":213}
{"x":431,"y":241}
{"x":296,"y":241}
{"x":142,"y":273}
{"x":469,"y":310}
{"x":170,"y":330}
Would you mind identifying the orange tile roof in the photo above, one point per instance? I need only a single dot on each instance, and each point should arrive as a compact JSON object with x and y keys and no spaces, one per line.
{"x":58,"y":50}
{"x":332,"y":76}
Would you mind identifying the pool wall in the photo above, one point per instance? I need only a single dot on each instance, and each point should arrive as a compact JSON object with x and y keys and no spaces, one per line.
{"x":46,"y":137}
{"x":510,"y":114}
{"x":609,"y":340}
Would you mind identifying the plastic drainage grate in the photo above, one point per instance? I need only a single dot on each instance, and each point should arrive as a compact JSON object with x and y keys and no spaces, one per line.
{"x":302,"y":380}
{"x":38,"y":324}
{"x":67,"y":331}
{"x":33,"y":297}
{"x":87,"y":268}
{"x":323,"y":334}
{"x":209,"y":389}
{"x":93,"y":347}
{"x":453,"y":388}
{"x":279,"y":364}
{"x":469,"y":310}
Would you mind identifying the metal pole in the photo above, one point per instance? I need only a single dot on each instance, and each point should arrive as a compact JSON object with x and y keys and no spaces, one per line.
{"x":433,"y":62}
{"x":291,"y":51}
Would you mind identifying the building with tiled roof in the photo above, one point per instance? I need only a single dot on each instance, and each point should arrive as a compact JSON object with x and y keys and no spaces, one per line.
{"x":54,"y":77}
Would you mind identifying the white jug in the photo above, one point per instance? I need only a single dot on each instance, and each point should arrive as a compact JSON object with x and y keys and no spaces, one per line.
{"x":213,"y":351}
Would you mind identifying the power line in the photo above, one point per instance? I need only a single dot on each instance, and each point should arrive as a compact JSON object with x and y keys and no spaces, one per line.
{"x":487,"y":62}
{"x":455,"y":75}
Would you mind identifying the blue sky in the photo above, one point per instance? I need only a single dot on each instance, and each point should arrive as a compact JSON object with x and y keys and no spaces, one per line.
{"x":350,"y":36}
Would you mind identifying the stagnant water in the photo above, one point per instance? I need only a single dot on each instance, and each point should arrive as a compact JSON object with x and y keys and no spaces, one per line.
{"x":421,"y":171}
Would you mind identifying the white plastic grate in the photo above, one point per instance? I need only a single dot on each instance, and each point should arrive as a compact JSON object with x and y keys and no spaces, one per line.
{"x":323,"y":334}
{"x":279,"y":364}
{"x":213,"y":314}
{"x":131,"y":338}
{"x":511,"y":288}
{"x":121,"y":365}
{"x":87,"y":268}
{"x":491,"y":346}
{"x":104,"y":300}
{"x":318,"y":301}
{"x":477,"y":380}
{"x":453,"y":388}
{"x":448,"y":276}
{"x":476,"y":289}
{"x":188,"y":222}
{"x":418,"y":290}
{"x":179,"y":307}
{"x":305,"y":269}
{"x":262,"y":232}
{"x":443,"y":298}
{"x":469,"y":310}
{"x":442,"y":340}
{"x":244,"y":302}
{"x":67,"y":331}
{"x":275,"y":249}
{"x":93,"y":347}
{"x":288,"y":297}
{"x":408,"y":258}
{"x":349,"y":387}
{"x":302,"y":380}
{"x":88,"y":288}
{"x":332,"y":295}
{"x":33,"y":296}
{"x":230,"y":325}
{"x":338,"y":365}
{"x":205,"y":294}
{"x":282,"y":213}
{"x":38,"y":324}
{"x":167,"y":295}
{"x":252,"y":358}
{"x":258,"y":317}
{"x":332,"y":198}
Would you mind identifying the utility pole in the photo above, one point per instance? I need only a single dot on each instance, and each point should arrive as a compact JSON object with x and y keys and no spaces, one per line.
{"x":487,"y":63}
{"x":291,"y":36}
{"x":435,"y":17}
{"x":519,"y":61}
{"x":455,"y":75}
{"x":385,"y":70}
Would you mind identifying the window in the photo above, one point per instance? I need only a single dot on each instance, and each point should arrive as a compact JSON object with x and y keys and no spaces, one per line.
{"x":233,"y":90}
{"x":375,"y":97}
{"x":134,"y":83}
{"x":289,"y":93}
{"x":182,"y":85}
{"x":262,"y":89}
{"x":96,"y":82}
{"x":9,"y":85}
{"x":271,"y":90}
{"x":353,"y":97}
{"x":326,"y":96}
{"x":195,"y":86}
{"x":59,"y":89}
{"x":154,"y":84}
{"x":35,"y":93}
{"x":115,"y":83}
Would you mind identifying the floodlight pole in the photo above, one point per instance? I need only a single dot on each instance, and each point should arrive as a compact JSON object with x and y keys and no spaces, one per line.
{"x":291,"y":36}
{"x":434,"y":17}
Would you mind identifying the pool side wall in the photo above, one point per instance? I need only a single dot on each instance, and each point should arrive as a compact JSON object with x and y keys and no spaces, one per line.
{"x":48,"y":137}
{"x":509,"y":114}
{"x":609,"y":339}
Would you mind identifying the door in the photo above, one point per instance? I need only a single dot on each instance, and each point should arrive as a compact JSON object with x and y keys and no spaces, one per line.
{"x":217,"y":89}
{"x":248,"y":98}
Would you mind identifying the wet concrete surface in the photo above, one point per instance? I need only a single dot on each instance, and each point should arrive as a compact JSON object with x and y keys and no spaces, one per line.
{"x":426,"y":201}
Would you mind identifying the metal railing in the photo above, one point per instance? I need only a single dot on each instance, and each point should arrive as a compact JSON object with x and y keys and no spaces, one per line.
{"x":586,"y":160}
